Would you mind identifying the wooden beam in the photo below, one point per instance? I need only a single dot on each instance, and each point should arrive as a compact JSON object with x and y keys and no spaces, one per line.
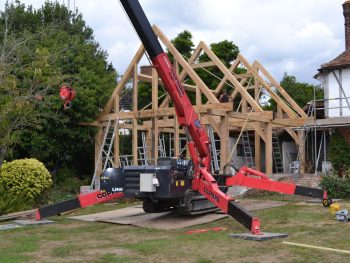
{"x":109,"y":105}
{"x":161,"y":124}
{"x":268,"y":149}
{"x":258,"y":129}
{"x":191,"y":60}
{"x":165,"y":102}
{"x":225,"y":107}
{"x":116,"y":145}
{"x":293,"y":134}
{"x":280,"y":89}
{"x":257,"y":151}
{"x":154,"y":89}
{"x":212,"y":122}
{"x":244,"y":106}
{"x":253,"y":116}
{"x":201,"y":85}
{"x":231,"y":78}
{"x":149,"y":144}
{"x":134,"y":142}
{"x":155,"y":134}
{"x":224,"y":79}
{"x":203,"y":65}
{"x":301,"y":151}
{"x":135,"y":89}
{"x":274,"y":96}
{"x":290,"y":122}
{"x":98,"y":145}
{"x":224,"y":141}
{"x":148,"y":79}
{"x":198,"y":97}
{"x":279,"y":112}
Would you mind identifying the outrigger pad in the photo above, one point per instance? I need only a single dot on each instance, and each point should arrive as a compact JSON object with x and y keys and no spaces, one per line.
{"x":263,"y":237}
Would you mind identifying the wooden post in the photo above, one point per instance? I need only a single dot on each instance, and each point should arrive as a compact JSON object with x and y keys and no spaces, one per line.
{"x":256,"y":92}
{"x":301,"y":151}
{"x":154,"y":89}
{"x":155,"y":129}
{"x":198,"y":97}
{"x":257,"y":151}
{"x":268,"y":149}
{"x":116,"y":138}
{"x":134,"y":120}
{"x":134,"y":142}
{"x":177,"y":68}
{"x":98,"y":145}
{"x":155,"y":134}
{"x":224,"y":141}
{"x":279,"y":112}
{"x":244,"y":106}
{"x":149,"y":144}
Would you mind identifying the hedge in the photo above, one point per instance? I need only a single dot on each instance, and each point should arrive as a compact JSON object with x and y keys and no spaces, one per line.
{"x":336,"y":187}
{"x":26,"y":177}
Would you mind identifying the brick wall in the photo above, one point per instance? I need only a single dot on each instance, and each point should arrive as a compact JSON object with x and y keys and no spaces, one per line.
{"x":308,"y":180}
{"x":146,"y":70}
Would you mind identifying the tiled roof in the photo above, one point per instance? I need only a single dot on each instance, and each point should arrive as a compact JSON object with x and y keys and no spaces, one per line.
{"x":343,"y":60}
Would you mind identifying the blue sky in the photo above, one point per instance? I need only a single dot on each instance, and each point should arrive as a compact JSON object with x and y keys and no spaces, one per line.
{"x":294,"y":36}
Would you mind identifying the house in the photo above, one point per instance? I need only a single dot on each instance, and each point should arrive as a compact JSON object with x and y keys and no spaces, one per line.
{"x":334,"y":77}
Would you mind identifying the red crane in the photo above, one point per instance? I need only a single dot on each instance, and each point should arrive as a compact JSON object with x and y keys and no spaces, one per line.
{"x":198,"y":178}
{"x":198,"y":141}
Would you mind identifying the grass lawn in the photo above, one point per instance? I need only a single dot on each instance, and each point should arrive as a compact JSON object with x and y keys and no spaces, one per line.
{"x":75,"y":241}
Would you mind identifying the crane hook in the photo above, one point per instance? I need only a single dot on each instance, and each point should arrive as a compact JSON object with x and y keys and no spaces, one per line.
{"x":67,"y":94}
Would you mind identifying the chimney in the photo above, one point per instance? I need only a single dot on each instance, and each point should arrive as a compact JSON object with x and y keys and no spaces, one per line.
{"x":346,"y":12}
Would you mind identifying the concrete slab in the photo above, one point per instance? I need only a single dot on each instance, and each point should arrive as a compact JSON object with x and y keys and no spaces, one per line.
{"x":29,"y":222}
{"x":263,"y":237}
{"x":9,"y":226}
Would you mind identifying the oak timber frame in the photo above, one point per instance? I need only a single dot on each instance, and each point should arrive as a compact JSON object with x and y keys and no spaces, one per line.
{"x":246,"y":90}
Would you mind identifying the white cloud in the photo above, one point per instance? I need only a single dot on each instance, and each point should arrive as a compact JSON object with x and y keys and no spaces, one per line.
{"x":290,"y":35}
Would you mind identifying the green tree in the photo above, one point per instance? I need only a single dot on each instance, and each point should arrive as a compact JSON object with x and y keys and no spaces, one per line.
{"x":227,"y":52}
{"x":301,"y":92}
{"x":184,"y":43}
{"x":65,"y":52}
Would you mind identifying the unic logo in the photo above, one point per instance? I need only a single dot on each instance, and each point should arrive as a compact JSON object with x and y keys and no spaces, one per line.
{"x":117,"y":189}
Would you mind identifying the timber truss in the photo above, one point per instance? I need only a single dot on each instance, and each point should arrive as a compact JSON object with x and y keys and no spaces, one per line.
{"x":247,"y":83}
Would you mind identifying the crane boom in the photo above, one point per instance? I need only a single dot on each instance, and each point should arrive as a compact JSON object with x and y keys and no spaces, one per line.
{"x":187,"y":117}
